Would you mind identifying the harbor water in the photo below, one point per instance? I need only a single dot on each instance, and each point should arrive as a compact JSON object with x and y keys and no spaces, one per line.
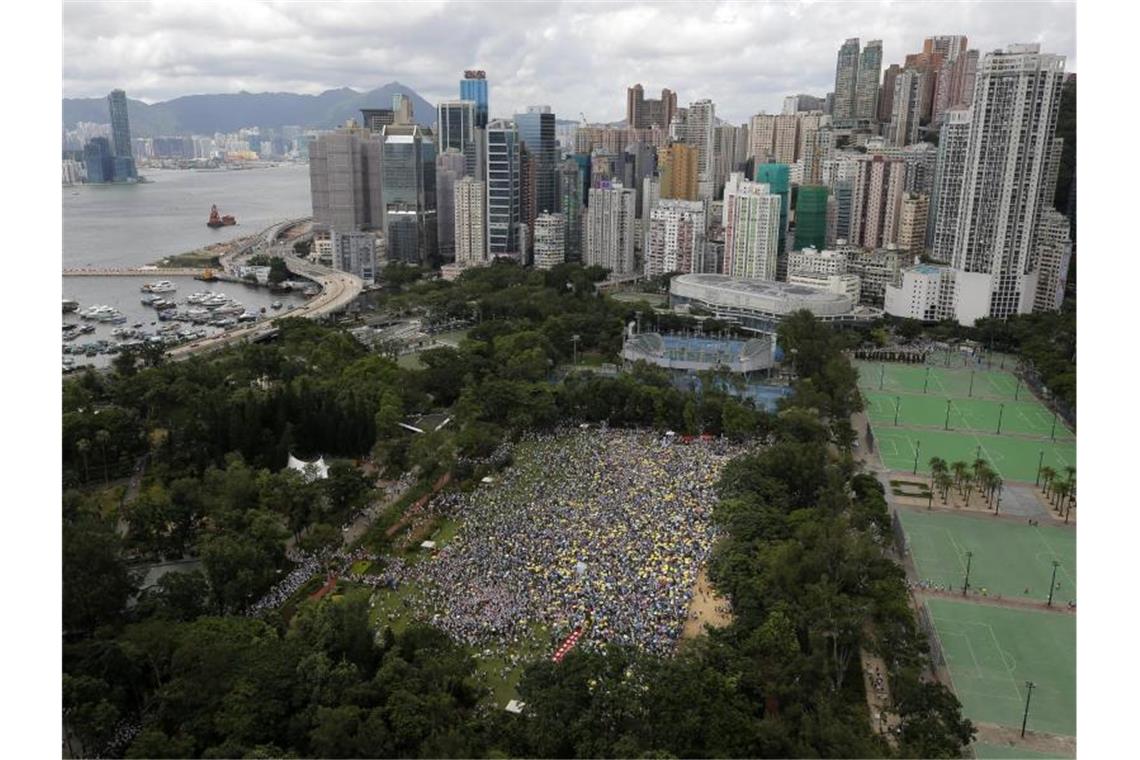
{"x":135,"y":225}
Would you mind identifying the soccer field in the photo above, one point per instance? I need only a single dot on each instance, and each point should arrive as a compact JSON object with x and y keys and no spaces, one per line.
{"x":991,"y":652}
{"x":973,"y":415}
{"x":1012,"y":458}
{"x":1008,"y":557}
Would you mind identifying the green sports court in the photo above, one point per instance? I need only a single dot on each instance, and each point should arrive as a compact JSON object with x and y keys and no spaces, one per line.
{"x":991,"y":652}
{"x":959,"y":415}
{"x":1008,"y":557}
{"x":1002,"y":752}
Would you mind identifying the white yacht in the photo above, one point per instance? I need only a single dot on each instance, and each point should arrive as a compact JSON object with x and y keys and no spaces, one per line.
{"x":162,"y":286}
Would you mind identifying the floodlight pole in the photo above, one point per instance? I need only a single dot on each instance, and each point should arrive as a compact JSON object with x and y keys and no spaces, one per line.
{"x":1001,"y":410}
{"x":926,"y":381}
{"x":1052,"y":584}
{"x":1029,"y":685}
{"x":1018,"y":388}
{"x":917,"y":446}
{"x":1040,"y":461}
{"x":971,"y":393}
{"x":574,"y":339}
{"x":966,"y":582}
{"x":946,"y":426}
{"x":1053,"y":434}
{"x":882,"y":371}
{"x":898,"y":402}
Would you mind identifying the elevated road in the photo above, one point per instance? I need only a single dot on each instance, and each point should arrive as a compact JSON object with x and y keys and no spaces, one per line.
{"x":338,"y":290}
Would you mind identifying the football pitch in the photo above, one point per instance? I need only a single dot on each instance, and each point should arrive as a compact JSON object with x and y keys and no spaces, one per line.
{"x":1007,"y":557}
{"x":992,"y":652}
{"x":960,"y":415}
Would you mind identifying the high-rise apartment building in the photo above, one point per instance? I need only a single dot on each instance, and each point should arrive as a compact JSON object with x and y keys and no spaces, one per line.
{"x":876,"y":200}
{"x":611,"y":224}
{"x":470,"y":201}
{"x":751,"y":229}
{"x":797,"y":103}
{"x":549,"y":240}
{"x":407,"y":169}
{"x":345,"y":181}
{"x":786,"y":139}
{"x":450,"y":167}
{"x":504,"y":201}
{"x":675,"y":241}
{"x":811,"y":217}
{"x":846,"y":81}
{"x":907,"y":101}
{"x":777,"y":178}
{"x":762,"y":137}
{"x":355,"y":252}
{"x":643,"y":114}
{"x":473,"y":87}
{"x":913,"y":214}
{"x":867,"y":89}
{"x":887,"y":93}
{"x":695,"y":127}
{"x":945,"y":204}
{"x":678,"y":165}
{"x":1054,"y":250}
{"x":570,"y":189}
{"x":1016,"y":101}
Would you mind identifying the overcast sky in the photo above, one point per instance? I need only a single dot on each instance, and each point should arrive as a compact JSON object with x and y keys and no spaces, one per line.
{"x":575,"y":56}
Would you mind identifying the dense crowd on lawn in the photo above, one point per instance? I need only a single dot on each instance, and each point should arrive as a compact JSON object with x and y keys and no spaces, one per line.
{"x":603,"y":529}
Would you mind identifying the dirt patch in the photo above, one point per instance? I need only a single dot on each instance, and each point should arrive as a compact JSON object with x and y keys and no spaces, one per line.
{"x":707,"y":607}
{"x":1034,"y":741}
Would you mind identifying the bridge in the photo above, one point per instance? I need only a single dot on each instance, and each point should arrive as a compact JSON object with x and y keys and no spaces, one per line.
{"x":156,"y":272}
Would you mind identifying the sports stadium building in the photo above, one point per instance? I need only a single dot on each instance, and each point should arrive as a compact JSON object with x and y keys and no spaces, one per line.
{"x":688,"y":353}
{"x":760,"y":305}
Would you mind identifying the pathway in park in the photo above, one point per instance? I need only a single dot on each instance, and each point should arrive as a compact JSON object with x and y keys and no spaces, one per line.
{"x":994,"y":600}
{"x":1034,"y":741}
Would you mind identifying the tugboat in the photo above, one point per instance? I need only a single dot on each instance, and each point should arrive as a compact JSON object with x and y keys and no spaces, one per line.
{"x":217,"y":220}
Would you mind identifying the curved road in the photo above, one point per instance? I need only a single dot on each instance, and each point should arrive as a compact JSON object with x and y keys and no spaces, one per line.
{"x":338,"y":290}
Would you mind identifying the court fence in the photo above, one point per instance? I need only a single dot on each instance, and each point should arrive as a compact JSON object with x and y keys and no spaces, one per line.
{"x":899,"y":534}
{"x":926,"y":625}
{"x":1031,"y":378}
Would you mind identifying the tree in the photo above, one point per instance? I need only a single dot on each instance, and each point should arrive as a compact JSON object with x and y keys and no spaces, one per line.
{"x":1048,"y":475}
{"x":96,"y":582}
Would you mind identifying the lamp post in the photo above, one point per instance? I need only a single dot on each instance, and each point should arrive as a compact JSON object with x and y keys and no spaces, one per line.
{"x":971,"y":393}
{"x":898,"y":402}
{"x":966,"y":582}
{"x":882,"y":371}
{"x":1018,"y":388}
{"x":1052,"y":584}
{"x":926,"y":382}
{"x":917,"y":446}
{"x":574,"y":339}
{"x":1053,"y":433}
{"x":1029,"y":685}
{"x":1001,"y":411}
{"x":946,"y":425}
{"x":1040,"y":461}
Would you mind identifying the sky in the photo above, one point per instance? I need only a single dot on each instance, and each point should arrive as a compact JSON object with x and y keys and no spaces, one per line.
{"x":578,"y":57}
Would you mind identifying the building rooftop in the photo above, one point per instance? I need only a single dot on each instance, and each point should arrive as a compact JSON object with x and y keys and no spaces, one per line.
{"x":781,"y":290}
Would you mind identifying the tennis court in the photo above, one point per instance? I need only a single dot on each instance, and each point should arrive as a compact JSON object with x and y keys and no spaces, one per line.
{"x":1008,"y":557}
{"x":940,"y":381}
{"x":1029,"y":418}
{"x":991,"y":652}
{"x":1002,"y":752}
{"x":1013,"y":458}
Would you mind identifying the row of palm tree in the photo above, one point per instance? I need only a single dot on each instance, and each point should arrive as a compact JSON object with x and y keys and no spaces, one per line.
{"x":965,"y":477}
{"x":1062,"y":494}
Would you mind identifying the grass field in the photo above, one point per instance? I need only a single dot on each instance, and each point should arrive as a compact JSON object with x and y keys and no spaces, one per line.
{"x":1013,"y":458}
{"x":1008,"y":557}
{"x":992,"y":651}
{"x":972,"y":415}
{"x":947,"y":383}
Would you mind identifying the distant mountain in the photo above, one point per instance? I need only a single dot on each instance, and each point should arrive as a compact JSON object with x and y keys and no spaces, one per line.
{"x":207,"y":114}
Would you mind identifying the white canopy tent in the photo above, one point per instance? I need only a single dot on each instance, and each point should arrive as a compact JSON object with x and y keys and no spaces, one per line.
{"x":315,"y":470}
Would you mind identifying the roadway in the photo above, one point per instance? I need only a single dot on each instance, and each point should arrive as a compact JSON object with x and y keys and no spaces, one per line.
{"x":338,"y":290}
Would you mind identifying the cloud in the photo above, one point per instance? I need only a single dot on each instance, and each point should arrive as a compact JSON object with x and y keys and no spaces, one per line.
{"x":574,"y":56}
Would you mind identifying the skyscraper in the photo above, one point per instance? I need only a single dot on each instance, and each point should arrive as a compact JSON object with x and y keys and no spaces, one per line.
{"x":1054,"y":249}
{"x":846,"y":81}
{"x":549,"y":240}
{"x":695,"y":127}
{"x":611,"y":224}
{"x":777,"y":178}
{"x":120,"y":123}
{"x":811,"y":217}
{"x":470,"y":222}
{"x":867,"y":89}
{"x":643,"y":114}
{"x":503,"y":189}
{"x":455,"y":129}
{"x":536,"y":132}
{"x":677,"y":165}
{"x":473,"y":87}
{"x":913,"y":214}
{"x":876,"y":200}
{"x":99,"y":160}
{"x":675,"y":241}
{"x":1016,"y":102}
{"x":450,"y":167}
{"x":946,"y":201}
{"x":345,"y":182}
{"x":907,"y":101}
{"x":570,"y":184}
{"x":887,"y":92}
{"x":751,"y":229}
{"x":355,"y":252}
{"x":408,"y":175}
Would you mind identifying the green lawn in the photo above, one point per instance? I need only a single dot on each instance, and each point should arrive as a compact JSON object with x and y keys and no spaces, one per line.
{"x":969,"y":415}
{"x":992,"y":652}
{"x":940,"y":381}
{"x":1012,"y":458}
{"x":1008,"y":557}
